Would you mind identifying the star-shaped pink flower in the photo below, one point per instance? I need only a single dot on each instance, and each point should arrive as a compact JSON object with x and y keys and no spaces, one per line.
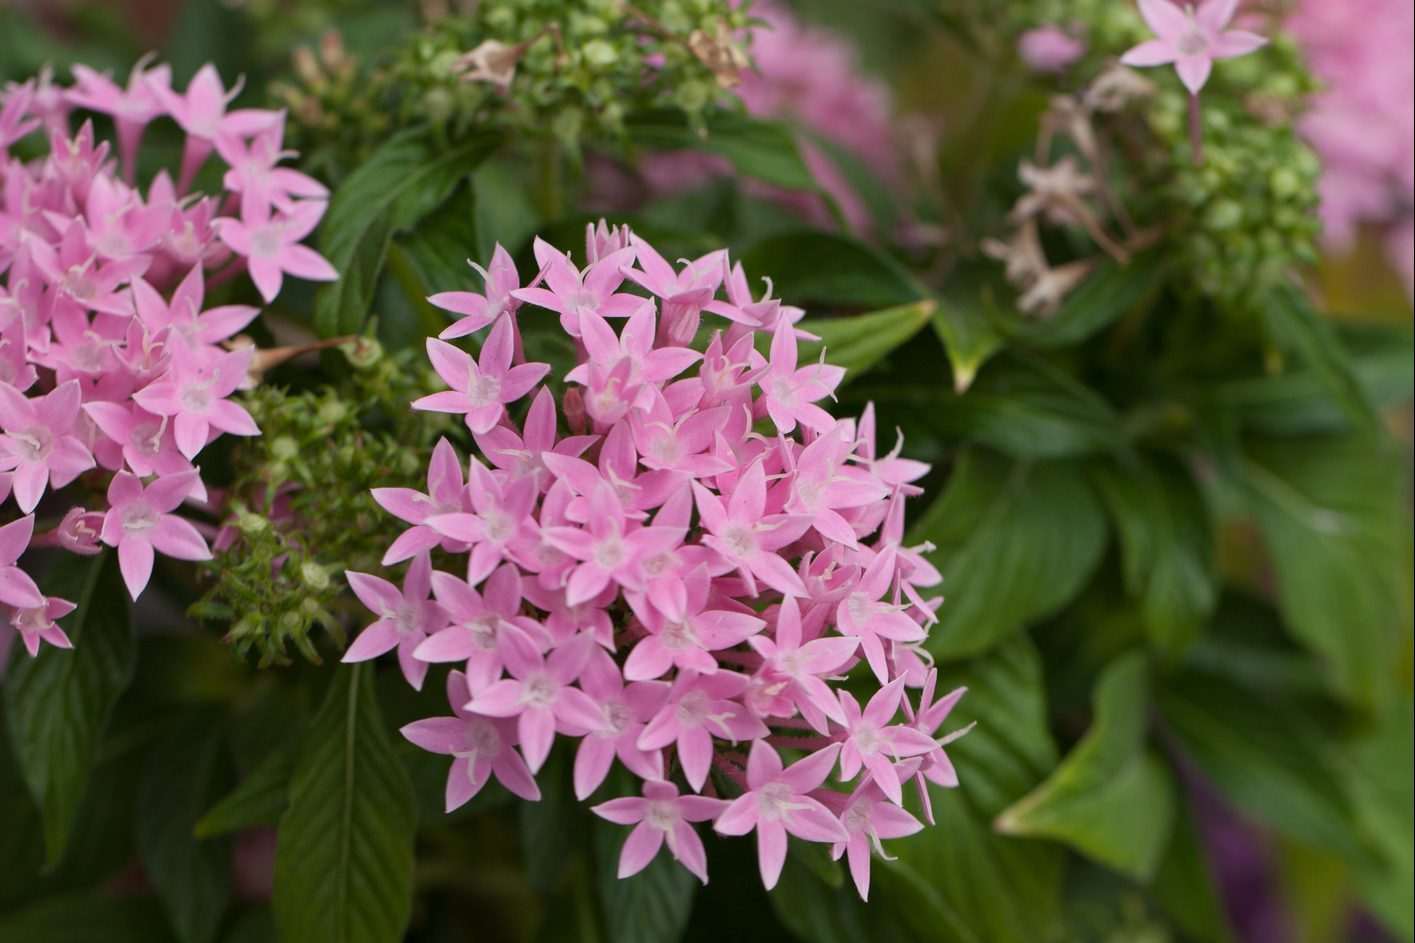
{"x":1191,"y":39}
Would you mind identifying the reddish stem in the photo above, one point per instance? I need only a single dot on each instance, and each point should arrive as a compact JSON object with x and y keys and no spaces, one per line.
{"x":1196,"y":130}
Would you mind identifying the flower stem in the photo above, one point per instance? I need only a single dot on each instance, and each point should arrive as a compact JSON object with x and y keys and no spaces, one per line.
{"x":1196,"y":130}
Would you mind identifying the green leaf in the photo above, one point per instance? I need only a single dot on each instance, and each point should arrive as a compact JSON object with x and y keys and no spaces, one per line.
{"x":344,"y":865}
{"x":814,"y":910}
{"x":1031,"y":409}
{"x":259,"y":799}
{"x":405,"y":180}
{"x":1296,"y":326}
{"x":1015,"y":541}
{"x":504,"y":211}
{"x":192,"y":877}
{"x":57,"y":704}
{"x":761,"y":149}
{"x":1382,"y":784}
{"x":86,"y":918}
{"x":1167,"y":545}
{"x":959,"y":880}
{"x":1334,"y":516}
{"x":1109,"y":799}
{"x":1265,"y":753}
{"x":858,"y":343}
{"x":833,"y":271}
{"x":649,"y":907}
{"x":1296,"y":401}
{"x":1110,"y":292}
{"x":1184,"y":885}
{"x":968,"y":328}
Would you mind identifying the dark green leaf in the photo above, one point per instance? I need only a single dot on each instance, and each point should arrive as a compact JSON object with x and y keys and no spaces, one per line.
{"x":959,"y":880}
{"x":1184,"y":885}
{"x":405,"y":180}
{"x":1109,"y":799}
{"x":1266,"y":754}
{"x":1031,"y":409}
{"x":57,"y":704}
{"x":816,"y":911}
{"x":649,"y":907}
{"x":86,"y":918}
{"x":1334,"y":515}
{"x":1100,"y":300}
{"x":1382,"y":782}
{"x":1296,"y":401}
{"x":192,"y":877}
{"x":832,"y":271}
{"x":259,"y":799}
{"x":969,"y":332}
{"x":1167,"y":545}
{"x":344,"y":866}
{"x":1015,"y":542}
{"x":858,"y":343}
{"x":1300,"y":329}
{"x":504,"y":209}
{"x":764,"y":150}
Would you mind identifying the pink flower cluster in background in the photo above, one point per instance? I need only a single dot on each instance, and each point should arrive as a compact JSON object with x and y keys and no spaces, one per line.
{"x":113,"y":372}
{"x":811,"y":77}
{"x":1363,"y":124}
{"x":676,"y":568}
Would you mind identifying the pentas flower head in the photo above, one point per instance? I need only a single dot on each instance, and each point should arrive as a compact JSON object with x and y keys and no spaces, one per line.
{"x":676,"y":570}
{"x":114,"y":372}
{"x":1191,"y":38}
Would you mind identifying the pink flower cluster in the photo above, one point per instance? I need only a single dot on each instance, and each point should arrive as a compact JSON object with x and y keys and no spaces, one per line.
{"x":1363,"y":123}
{"x":678,"y":578}
{"x":113,"y":373}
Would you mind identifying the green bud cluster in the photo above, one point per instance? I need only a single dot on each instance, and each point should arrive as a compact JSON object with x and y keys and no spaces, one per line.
{"x":299,"y":508}
{"x":1246,"y":217}
{"x":570,"y":71}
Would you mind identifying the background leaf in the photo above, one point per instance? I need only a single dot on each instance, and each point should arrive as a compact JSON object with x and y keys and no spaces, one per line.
{"x":1295,"y":325}
{"x":405,"y":180}
{"x":344,"y":866}
{"x":959,"y":880}
{"x":858,"y":343}
{"x":58,"y":703}
{"x":1031,"y":409}
{"x":1167,"y":544}
{"x":1109,"y":799}
{"x":650,"y":907}
{"x":192,"y":876}
{"x":1333,"y":513}
{"x":820,"y":268}
{"x":1015,"y":541}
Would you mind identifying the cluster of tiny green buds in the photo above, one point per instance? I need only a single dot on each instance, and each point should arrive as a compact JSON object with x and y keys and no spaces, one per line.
{"x":572,"y":71}
{"x":1243,"y":218}
{"x":289,"y":534}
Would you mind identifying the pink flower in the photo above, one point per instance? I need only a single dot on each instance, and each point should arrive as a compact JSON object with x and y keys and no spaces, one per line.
{"x":478,"y":310}
{"x":485,"y":628}
{"x":778,"y":802}
{"x":749,"y":538}
{"x":661,"y":817}
{"x":801,"y":665}
{"x":194,"y":393}
{"x":1049,"y":49}
{"x":481,"y":747}
{"x":789,"y":393}
{"x":481,"y":387}
{"x":867,"y":817}
{"x":405,"y":617}
{"x":699,"y":708}
{"x":1191,"y":39}
{"x":871,"y":741}
{"x":446,"y":494}
{"x":571,"y":292}
{"x":16,"y":587}
{"x":539,"y":694}
{"x":626,"y":708}
{"x":38,"y":444}
{"x":140,"y":520}
{"x":36,"y":625}
{"x":271,"y":245}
